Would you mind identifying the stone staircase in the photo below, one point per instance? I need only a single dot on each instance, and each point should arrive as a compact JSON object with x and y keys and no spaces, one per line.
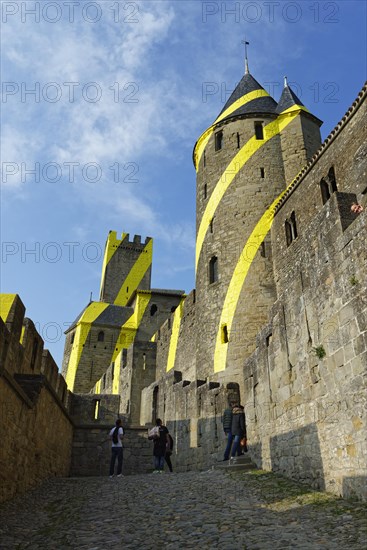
{"x":237,"y":464}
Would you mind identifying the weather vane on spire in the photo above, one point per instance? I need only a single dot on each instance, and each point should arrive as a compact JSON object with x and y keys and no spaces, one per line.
{"x":246,"y":60}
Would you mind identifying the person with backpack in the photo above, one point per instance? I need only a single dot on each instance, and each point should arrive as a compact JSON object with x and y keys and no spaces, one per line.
{"x":167,"y":456}
{"x":227,"y":428}
{"x":116,"y":435}
{"x":238,"y":428}
{"x":161,"y":443}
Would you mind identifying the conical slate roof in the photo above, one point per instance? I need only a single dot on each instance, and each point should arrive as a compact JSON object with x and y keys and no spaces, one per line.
{"x":287,"y":99}
{"x":252,"y":104}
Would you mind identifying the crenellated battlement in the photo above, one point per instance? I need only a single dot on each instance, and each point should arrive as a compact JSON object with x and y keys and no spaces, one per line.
{"x":34,"y":401}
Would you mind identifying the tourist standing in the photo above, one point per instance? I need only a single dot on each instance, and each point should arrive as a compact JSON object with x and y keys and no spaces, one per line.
{"x":161,"y":443}
{"x":227,"y":428}
{"x":116,"y":435}
{"x":167,"y":456}
{"x":238,"y":428}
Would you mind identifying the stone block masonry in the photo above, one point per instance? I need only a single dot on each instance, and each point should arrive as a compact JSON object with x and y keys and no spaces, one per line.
{"x":304,"y":385}
{"x":94,"y":415}
{"x":35,"y":426}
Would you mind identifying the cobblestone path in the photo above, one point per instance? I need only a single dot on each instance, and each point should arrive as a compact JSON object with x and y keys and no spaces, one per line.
{"x":243,"y":510}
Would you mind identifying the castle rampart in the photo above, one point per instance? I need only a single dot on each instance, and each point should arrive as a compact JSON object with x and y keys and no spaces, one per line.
{"x":35,"y":428}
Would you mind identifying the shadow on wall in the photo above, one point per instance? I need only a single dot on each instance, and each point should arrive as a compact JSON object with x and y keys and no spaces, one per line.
{"x":255,"y":452}
{"x":199,"y":444}
{"x":355,"y":487}
{"x":92,"y":452}
{"x":296,"y":454}
{"x":94,"y":415}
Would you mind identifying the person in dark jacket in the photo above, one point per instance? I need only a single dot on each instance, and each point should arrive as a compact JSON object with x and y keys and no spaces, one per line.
{"x":227,"y":428}
{"x":169,"y":450}
{"x":161,"y":444}
{"x":238,"y":427}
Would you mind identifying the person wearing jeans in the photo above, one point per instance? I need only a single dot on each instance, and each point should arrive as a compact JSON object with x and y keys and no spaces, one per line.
{"x":227,"y":427}
{"x":116,"y":435}
{"x":161,"y":444}
{"x":238,"y":428}
{"x":227,"y":424}
{"x":158,"y":463}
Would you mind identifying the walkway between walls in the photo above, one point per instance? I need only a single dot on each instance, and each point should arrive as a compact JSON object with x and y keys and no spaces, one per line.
{"x":208,"y":510}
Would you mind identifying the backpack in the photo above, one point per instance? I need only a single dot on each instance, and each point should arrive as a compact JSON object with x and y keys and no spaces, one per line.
{"x":169,"y":451}
{"x":115,"y":435}
{"x":153,"y":433}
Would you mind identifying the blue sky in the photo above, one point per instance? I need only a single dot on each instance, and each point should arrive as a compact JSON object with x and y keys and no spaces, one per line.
{"x":122,"y":92}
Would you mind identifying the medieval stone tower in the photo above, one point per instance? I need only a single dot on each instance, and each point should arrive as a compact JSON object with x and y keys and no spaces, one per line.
{"x":244,"y":161}
{"x":128,"y":311}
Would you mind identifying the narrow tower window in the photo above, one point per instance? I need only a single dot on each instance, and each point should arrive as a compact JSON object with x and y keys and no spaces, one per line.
{"x":100,"y":336}
{"x":153,"y":310}
{"x":205,"y":191}
{"x":211,"y":225}
{"x":328,"y":185}
{"x":294,"y":226}
{"x":213,"y":270}
{"x":238,"y":141}
{"x":291,"y":229}
{"x":218,"y":141}
{"x":224,"y":334}
{"x":288,"y":232}
{"x":259,"y":130}
{"x":332,"y":180}
{"x":262,"y":172}
{"x":324,"y":191}
{"x":204,"y":158}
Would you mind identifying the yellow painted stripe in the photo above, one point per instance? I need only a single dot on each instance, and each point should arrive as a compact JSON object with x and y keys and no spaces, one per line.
{"x":22,"y":334}
{"x":97,"y":387}
{"x":135,"y":275}
{"x":233,"y":168}
{"x":256,"y":94}
{"x":153,"y":338}
{"x":81,"y":334}
{"x":238,"y":278}
{"x":174,"y":335}
{"x":116,"y":374}
{"x":204,"y":138}
{"x":112,"y":245}
{"x":127,"y":335}
{"x":130,"y":327}
{"x":6,"y":301}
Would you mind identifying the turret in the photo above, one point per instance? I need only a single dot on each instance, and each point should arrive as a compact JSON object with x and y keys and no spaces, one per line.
{"x":239,"y":173}
{"x":301,"y":138}
{"x":244,"y":161}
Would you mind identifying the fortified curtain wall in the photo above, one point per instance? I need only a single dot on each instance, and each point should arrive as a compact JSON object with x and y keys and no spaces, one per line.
{"x":35,"y":428}
{"x":305,"y":382}
{"x":305,"y":385}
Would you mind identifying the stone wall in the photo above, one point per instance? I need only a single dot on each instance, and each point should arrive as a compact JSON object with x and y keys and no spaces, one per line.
{"x":91,"y":447}
{"x":305,"y":384}
{"x":35,"y":428}
{"x":185,"y":360}
{"x":192,"y":412}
